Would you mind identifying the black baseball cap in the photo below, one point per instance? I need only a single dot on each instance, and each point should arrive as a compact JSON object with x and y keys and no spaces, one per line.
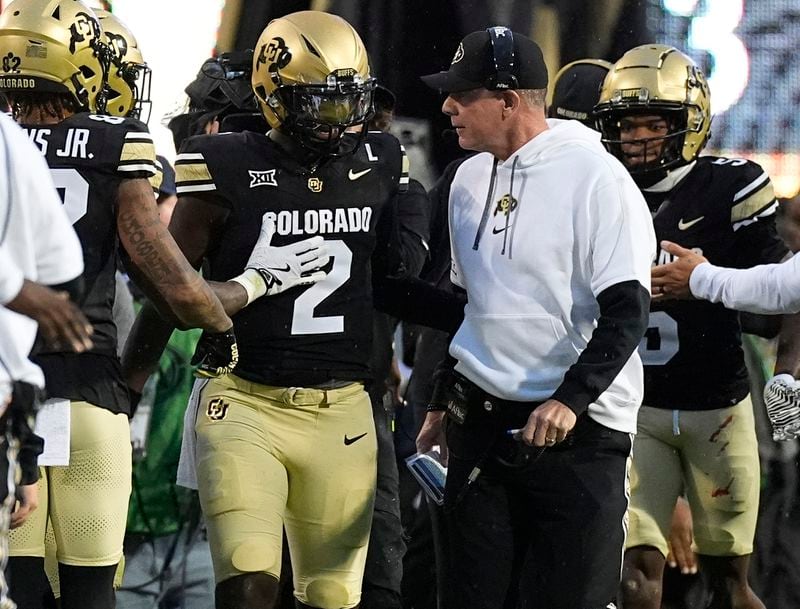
{"x":474,"y":65}
{"x":576,"y":89}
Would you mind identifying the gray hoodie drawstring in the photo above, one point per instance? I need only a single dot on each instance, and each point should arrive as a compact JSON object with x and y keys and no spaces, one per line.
{"x":510,"y":207}
{"x":486,"y":206}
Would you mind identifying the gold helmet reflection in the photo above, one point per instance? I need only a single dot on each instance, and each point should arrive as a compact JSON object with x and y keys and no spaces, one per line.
{"x":53,"y":46}
{"x":128,"y":81}
{"x":311,"y":78}
{"x":660,"y":80}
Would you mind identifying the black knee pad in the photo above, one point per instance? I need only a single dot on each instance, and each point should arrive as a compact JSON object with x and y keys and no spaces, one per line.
{"x":87,"y":587}
{"x":247,"y":591}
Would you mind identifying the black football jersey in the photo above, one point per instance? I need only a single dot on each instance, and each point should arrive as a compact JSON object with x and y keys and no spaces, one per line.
{"x":313,"y":334}
{"x":89,"y":155}
{"x":692,"y":352}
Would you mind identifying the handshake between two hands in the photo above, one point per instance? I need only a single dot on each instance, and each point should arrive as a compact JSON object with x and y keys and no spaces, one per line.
{"x":782,"y":398}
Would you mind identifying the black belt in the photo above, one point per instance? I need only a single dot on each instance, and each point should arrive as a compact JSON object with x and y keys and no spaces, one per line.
{"x":472,"y":396}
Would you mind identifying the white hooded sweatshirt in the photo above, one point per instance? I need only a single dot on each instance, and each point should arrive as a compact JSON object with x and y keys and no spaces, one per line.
{"x":576,"y":225}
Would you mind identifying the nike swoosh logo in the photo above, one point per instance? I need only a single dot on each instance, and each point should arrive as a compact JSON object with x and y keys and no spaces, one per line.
{"x":684,"y":225}
{"x":285,"y":269}
{"x":349,"y":441}
{"x":354,"y":175}
{"x":497,"y":231}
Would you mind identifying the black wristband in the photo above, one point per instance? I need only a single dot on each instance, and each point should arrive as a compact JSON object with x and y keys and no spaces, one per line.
{"x":433,"y":407}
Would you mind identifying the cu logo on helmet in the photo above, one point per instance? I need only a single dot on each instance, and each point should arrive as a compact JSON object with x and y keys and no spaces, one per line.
{"x":275,"y":53}
{"x":11,"y":63}
{"x":84,"y":27}
{"x":119,"y":44}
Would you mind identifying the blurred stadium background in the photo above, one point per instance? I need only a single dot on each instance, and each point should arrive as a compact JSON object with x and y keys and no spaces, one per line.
{"x":746,"y":46}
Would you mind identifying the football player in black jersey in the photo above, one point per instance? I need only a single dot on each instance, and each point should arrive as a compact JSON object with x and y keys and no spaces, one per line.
{"x":696,"y":432}
{"x":289,"y":440}
{"x":53,"y":75}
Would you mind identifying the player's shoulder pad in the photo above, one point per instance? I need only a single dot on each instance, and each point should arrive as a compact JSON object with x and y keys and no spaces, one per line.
{"x":202,"y":157}
{"x":386,"y":149}
{"x":747,"y":187}
{"x":127,"y":143}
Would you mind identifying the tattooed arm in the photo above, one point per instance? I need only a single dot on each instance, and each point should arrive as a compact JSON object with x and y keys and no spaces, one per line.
{"x":159,"y":266}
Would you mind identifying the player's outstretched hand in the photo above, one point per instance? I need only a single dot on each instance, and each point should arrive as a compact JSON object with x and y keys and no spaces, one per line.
{"x":782,"y":398}
{"x":672,"y":280}
{"x":216,"y":354}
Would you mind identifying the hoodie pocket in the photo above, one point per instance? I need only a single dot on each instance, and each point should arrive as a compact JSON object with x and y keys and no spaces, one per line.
{"x":533,"y":350}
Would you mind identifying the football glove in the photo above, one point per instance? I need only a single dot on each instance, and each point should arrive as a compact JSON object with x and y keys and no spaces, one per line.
{"x":782,"y":398}
{"x":216,"y":354}
{"x":274,"y":269}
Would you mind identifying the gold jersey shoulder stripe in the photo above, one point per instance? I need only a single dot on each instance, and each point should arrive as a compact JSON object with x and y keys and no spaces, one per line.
{"x":192,"y":172}
{"x":141,"y":152}
{"x":155,"y":180}
{"x":405,"y":167}
{"x":754,"y":204}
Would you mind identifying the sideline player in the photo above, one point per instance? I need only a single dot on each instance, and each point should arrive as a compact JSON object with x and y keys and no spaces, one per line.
{"x":289,"y":440}
{"x":55,"y":83}
{"x":695,"y":429}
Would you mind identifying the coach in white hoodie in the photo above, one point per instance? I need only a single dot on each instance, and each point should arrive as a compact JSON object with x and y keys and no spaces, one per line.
{"x":552,"y":242}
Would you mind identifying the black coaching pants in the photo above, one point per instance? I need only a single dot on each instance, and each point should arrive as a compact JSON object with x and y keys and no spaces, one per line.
{"x":537,"y":529}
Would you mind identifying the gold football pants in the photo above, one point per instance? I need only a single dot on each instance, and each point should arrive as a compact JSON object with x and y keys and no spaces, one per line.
{"x":86,"y":501}
{"x":303,"y":459}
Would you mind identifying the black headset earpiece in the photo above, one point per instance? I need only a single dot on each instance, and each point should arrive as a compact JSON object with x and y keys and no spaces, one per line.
{"x":502,"y":40}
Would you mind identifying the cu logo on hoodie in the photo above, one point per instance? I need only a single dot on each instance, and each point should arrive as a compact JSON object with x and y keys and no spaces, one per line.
{"x":505,"y":205}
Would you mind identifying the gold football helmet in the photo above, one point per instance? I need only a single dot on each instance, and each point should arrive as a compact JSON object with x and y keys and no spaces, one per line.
{"x":655,"y":79}
{"x":53,"y":46}
{"x":311,"y":79}
{"x":128,"y":80}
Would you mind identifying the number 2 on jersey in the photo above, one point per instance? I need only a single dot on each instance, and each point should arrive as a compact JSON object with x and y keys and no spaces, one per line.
{"x":303,"y":319}
{"x":75,"y":191}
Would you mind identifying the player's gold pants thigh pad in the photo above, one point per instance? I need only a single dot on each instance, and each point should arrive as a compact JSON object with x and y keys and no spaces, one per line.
{"x":269,"y":457}
{"x":87,"y":501}
{"x":713,"y":460}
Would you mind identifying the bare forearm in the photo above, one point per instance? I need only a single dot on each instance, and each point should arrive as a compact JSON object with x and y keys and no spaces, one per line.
{"x":146,"y":342}
{"x":154,"y":252}
{"x":231,"y":294}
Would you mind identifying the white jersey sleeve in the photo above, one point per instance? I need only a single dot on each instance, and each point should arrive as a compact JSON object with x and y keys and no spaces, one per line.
{"x":11,"y":277}
{"x":767,"y":288}
{"x":621,"y":233}
{"x":52,"y":252}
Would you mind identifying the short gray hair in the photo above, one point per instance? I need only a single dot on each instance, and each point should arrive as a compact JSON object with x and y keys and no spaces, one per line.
{"x":533,"y":97}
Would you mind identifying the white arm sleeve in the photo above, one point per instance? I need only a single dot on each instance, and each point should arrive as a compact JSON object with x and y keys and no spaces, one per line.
{"x":768,"y":288}
{"x":38,"y":234}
